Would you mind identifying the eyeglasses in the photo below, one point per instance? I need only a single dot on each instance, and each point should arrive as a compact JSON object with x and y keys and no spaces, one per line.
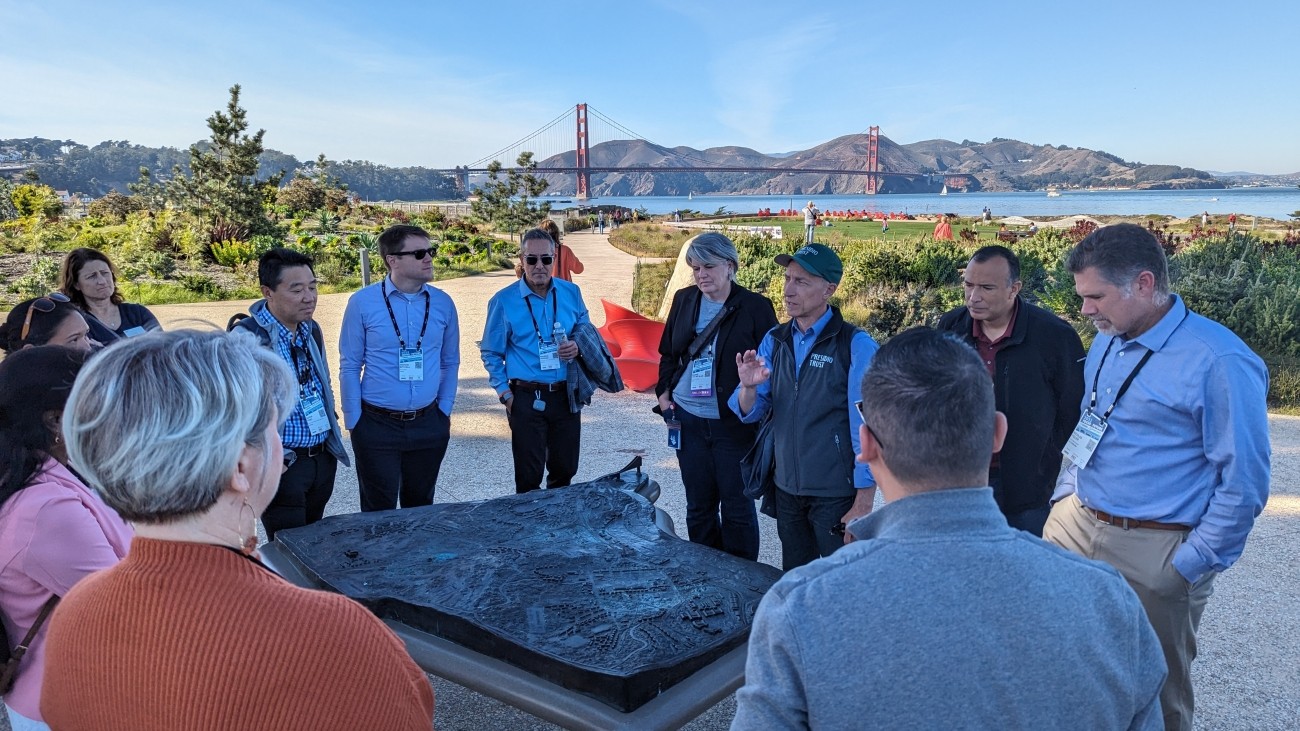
{"x":419,"y":254}
{"x":531,"y":259}
{"x":870,"y":431}
{"x":290,"y":457}
{"x":42,"y":304}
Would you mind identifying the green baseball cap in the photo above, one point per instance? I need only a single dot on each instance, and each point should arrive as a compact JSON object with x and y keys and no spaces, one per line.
{"x":818,"y":259}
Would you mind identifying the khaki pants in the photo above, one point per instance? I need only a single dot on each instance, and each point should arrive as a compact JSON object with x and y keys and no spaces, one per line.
{"x":1174,"y":607}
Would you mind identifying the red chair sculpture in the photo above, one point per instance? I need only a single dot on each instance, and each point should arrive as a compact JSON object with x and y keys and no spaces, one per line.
{"x":638,"y":374}
{"x":637,"y":338}
{"x":613,"y":313}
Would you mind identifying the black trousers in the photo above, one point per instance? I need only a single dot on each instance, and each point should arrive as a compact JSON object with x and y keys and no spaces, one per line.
{"x":549,"y":439}
{"x":305,"y":490}
{"x":399,"y":459}
{"x":718,"y":514}
{"x":804,"y":523}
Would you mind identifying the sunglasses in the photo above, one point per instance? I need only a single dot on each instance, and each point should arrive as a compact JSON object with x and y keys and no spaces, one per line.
{"x":419,"y":254}
{"x":289,"y":458}
{"x":532,"y":259}
{"x":870,"y":431}
{"x":304,"y":370}
{"x":42,"y":304}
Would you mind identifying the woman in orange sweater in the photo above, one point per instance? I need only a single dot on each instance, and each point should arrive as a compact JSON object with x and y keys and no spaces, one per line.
{"x":566,"y":262}
{"x":179,"y":432}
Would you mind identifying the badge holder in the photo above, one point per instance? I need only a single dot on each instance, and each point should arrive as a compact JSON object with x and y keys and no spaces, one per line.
{"x":674,"y":429}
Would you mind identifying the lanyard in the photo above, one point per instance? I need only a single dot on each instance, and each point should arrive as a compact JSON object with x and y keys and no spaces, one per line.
{"x":1092,"y":405}
{"x":555,"y":310}
{"x":401,"y":343}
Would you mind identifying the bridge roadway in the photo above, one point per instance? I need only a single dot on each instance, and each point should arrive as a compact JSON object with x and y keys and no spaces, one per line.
{"x":706,"y":169}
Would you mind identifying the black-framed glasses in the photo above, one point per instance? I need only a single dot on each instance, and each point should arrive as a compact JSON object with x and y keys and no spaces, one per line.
{"x":532,"y":259}
{"x":870,"y":431}
{"x":44,"y":304}
{"x":419,"y":254}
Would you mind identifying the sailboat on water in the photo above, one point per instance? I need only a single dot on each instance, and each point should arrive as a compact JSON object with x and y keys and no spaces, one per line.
{"x":944,"y":191}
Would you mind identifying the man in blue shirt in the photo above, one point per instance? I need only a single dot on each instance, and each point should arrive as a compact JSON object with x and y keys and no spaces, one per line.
{"x":1169,"y":465}
{"x":939,"y":615}
{"x":313,"y":442}
{"x":399,"y":353}
{"x":525,"y":349}
{"x":807,"y":373}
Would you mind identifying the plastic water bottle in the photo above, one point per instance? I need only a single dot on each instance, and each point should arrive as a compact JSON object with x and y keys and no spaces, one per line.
{"x":557,"y":334}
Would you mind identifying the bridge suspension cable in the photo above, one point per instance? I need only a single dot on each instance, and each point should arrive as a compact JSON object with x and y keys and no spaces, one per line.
{"x":518,"y":144}
{"x":636,"y":136}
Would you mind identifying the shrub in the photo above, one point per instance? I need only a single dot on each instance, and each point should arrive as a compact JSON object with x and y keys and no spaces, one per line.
{"x":231,"y":253}
{"x":576,"y":223}
{"x":200,"y":284}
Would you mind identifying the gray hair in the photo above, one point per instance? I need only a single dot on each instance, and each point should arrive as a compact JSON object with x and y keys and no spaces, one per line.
{"x":1120,"y":253}
{"x":535,"y":234}
{"x":157,"y":423}
{"x":928,"y":398}
{"x":713,"y":248}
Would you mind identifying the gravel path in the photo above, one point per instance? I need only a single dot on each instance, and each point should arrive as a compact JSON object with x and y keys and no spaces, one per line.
{"x":1248,"y":673}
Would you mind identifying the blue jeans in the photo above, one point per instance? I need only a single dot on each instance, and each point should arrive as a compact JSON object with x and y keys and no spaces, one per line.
{"x":808,"y":230}
{"x":1029,"y":521}
{"x":717,"y":512}
{"x":804,"y":524}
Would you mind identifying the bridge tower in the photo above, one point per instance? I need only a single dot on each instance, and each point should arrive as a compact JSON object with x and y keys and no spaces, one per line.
{"x":584,"y":177}
{"x":873,"y":162}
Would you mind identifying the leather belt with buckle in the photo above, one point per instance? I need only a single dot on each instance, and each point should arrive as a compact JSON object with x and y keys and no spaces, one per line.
{"x":411,"y":415}
{"x":1127,"y":523}
{"x":535,"y":386}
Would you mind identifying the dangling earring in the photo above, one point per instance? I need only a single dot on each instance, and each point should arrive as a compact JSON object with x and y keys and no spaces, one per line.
{"x":58,"y":439}
{"x":248,"y":545}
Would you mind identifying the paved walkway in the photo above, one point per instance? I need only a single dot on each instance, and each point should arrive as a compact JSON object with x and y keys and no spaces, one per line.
{"x":1248,"y":674}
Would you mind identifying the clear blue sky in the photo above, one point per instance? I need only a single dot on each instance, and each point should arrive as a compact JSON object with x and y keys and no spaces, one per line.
{"x":1200,"y":84}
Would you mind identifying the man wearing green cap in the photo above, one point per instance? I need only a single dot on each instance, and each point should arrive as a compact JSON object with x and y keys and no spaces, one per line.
{"x":807,"y":374}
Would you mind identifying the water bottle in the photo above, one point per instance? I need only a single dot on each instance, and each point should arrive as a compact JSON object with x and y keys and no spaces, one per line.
{"x":558,"y":335}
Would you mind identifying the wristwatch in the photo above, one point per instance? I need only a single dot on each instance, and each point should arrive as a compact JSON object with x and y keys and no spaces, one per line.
{"x":505,"y":397}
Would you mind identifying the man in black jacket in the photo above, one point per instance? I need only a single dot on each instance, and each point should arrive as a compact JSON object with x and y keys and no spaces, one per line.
{"x":1036,"y":362}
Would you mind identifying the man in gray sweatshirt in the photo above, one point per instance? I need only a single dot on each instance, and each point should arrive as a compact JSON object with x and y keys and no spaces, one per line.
{"x":939,"y":615}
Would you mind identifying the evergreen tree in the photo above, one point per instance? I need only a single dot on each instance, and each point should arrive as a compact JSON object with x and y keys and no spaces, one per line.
{"x":507,"y":203}
{"x":222,"y":188}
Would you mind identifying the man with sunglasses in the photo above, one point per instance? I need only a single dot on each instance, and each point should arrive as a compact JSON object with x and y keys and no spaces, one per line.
{"x":525,"y":347}
{"x":399,"y":354}
{"x":939,"y":614}
{"x":313,"y":442}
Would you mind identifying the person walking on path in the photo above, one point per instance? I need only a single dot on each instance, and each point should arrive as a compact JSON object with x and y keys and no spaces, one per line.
{"x":810,"y":216}
{"x":399,"y":361}
{"x":567,"y":263}
{"x":1169,"y":465}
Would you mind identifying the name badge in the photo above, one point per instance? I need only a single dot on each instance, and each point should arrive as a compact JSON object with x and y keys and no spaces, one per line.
{"x":314,"y":409}
{"x":132,"y":332}
{"x":1083,"y":442}
{"x":702,"y":377}
{"x":549,"y":355}
{"x":410,"y":364}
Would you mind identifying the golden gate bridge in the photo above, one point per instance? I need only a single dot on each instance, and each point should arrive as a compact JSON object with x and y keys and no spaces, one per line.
{"x":565,"y":143}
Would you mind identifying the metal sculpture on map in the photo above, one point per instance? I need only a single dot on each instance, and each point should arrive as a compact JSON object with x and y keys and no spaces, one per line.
{"x":576,"y":585}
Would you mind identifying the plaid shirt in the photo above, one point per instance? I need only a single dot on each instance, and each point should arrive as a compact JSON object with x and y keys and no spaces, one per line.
{"x":295,"y":432}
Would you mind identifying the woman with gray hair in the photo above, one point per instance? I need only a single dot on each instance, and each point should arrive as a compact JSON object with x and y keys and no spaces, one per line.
{"x":179,"y":432}
{"x":709,"y":324}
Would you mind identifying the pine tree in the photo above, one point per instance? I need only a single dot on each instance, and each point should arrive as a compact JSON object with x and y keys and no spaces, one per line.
{"x":222,"y":188}
{"x":506,"y":203}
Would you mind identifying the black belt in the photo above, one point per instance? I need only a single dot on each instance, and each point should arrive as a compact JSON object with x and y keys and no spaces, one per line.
{"x":310,"y":452}
{"x":411,"y":415}
{"x":534,"y":385}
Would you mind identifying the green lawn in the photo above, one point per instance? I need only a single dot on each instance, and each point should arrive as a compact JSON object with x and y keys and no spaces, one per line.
{"x":792,"y":228}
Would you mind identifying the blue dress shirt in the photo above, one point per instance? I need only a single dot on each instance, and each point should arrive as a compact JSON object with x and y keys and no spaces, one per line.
{"x":509,"y":347}
{"x":368,"y":349}
{"x":1188,"y":443}
{"x":862,"y":349}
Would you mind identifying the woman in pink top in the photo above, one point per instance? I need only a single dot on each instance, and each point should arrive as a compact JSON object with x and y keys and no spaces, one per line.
{"x":53,"y":529}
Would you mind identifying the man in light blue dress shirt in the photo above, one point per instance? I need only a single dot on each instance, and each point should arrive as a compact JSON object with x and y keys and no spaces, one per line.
{"x":525,"y":348}
{"x":1169,"y":465}
{"x":399,"y":353}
